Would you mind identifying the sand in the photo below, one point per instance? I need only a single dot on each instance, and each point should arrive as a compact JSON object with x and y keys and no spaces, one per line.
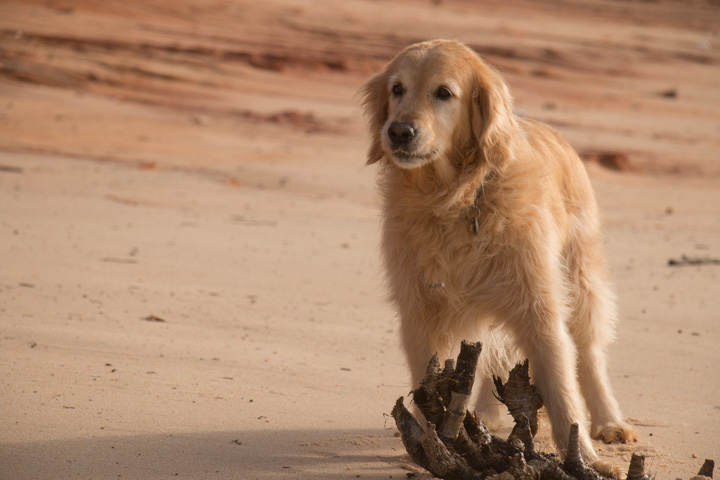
{"x":190,"y":281}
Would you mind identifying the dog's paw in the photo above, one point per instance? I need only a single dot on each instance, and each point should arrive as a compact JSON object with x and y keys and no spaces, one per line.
{"x":615,"y":433}
{"x":607,"y":469}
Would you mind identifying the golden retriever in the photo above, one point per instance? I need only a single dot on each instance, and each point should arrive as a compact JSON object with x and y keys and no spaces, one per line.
{"x":491,"y":231}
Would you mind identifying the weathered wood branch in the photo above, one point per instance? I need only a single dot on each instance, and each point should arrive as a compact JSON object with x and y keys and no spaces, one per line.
{"x":460,"y":384}
{"x":411,"y":432}
{"x":455,"y":445}
{"x":706,"y":470}
{"x":637,"y":468}
{"x":574,"y":463}
{"x":520,"y":396}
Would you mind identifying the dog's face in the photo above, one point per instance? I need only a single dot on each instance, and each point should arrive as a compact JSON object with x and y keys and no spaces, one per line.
{"x":435,"y":102}
{"x":427,"y":106}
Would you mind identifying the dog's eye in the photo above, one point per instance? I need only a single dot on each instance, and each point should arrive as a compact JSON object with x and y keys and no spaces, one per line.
{"x":397,"y":90}
{"x":443,"y":93}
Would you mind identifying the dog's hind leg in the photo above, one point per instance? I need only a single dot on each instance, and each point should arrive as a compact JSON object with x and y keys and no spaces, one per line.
{"x":488,"y":408}
{"x":499,"y":355}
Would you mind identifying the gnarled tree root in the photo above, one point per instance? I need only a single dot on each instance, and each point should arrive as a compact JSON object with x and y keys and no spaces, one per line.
{"x":455,"y":445}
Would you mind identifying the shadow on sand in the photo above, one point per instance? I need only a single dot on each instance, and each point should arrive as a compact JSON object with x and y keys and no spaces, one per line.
{"x":317,"y":454}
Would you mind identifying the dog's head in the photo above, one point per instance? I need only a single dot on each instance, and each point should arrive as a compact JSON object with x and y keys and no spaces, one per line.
{"x":438,"y":101}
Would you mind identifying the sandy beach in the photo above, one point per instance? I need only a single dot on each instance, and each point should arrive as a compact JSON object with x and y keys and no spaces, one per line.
{"x":190,"y":281}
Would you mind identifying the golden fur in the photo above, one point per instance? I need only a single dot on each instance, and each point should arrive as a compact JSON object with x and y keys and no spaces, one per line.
{"x":532,"y":282}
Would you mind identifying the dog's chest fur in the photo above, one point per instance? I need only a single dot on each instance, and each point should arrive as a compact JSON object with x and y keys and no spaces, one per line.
{"x":438,"y":249}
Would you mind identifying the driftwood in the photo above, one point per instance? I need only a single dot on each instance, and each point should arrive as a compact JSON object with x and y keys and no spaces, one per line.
{"x":693,"y":261}
{"x":455,"y":445}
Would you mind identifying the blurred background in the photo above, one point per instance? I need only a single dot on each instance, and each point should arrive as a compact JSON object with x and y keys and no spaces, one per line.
{"x":634,"y":79}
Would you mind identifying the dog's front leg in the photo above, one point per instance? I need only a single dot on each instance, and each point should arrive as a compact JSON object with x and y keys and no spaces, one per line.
{"x":552,"y":359}
{"x":421,"y":341}
{"x":540,"y":329}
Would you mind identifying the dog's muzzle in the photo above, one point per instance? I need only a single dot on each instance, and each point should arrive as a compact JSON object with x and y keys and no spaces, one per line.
{"x":401,"y":135}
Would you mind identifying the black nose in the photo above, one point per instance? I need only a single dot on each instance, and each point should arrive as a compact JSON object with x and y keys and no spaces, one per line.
{"x":401,"y":133}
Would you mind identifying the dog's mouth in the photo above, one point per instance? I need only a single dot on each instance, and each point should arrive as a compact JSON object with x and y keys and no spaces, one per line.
{"x":406,"y":157}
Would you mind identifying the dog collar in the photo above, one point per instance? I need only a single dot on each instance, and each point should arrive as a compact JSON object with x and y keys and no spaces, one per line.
{"x":473,"y":210}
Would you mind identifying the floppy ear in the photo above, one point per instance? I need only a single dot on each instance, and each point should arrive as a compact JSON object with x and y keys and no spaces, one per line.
{"x":494,"y":125}
{"x":375,"y":103}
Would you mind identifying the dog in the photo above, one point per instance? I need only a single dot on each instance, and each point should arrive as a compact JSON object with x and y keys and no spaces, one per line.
{"x":491,"y":231}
